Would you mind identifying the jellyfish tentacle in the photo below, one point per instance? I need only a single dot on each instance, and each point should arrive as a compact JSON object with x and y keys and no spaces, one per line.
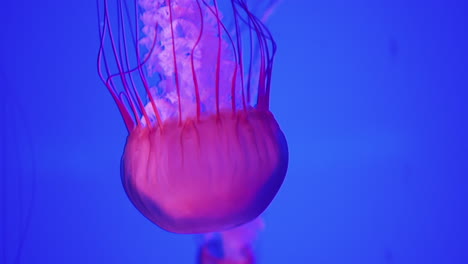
{"x":239,"y":58}
{"x":219,"y":25}
{"x":171,"y":22}
{"x":128,"y":120}
{"x":119,"y":65}
{"x":109,"y":81}
{"x":251,"y":59}
{"x":123,"y":52}
{"x":218,"y":59}
{"x":141,"y":64}
{"x":194,"y":73}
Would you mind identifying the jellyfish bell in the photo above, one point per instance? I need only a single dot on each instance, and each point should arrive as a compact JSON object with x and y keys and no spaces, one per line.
{"x":205,"y":175}
{"x":204,"y":153}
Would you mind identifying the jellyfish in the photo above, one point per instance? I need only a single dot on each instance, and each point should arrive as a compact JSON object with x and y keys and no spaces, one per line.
{"x":191,"y":79}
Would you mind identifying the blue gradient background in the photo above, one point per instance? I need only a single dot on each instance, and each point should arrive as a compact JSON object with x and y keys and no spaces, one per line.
{"x":370,"y":94}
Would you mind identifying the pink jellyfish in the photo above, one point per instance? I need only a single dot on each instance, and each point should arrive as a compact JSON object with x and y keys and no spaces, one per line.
{"x":191,"y":79}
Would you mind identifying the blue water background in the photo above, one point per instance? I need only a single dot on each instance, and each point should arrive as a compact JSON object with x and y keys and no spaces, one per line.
{"x":372,"y":97}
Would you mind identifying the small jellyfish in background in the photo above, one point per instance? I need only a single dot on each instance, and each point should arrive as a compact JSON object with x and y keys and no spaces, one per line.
{"x":191,"y":79}
{"x":17,"y":176}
